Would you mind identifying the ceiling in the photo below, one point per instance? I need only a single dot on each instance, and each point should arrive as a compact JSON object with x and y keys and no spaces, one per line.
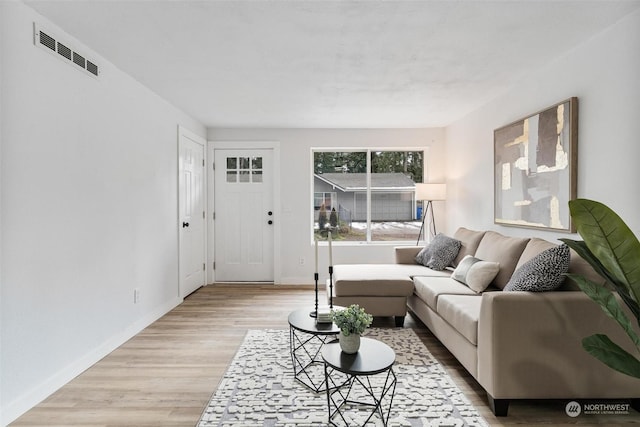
{"x":331,"y":64}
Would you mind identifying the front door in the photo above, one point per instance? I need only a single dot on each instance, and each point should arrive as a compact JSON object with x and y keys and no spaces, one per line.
{"x":191,"y":221}
{"x":244,"y":215}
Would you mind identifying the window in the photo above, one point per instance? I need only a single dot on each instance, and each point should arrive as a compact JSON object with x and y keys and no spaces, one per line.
{"x":366,"y":195}
{"x":244,"y":169}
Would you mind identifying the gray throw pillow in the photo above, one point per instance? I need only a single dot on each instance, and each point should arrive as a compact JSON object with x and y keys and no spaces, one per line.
{"x":440,"y":253}
{"x":544,"y":272}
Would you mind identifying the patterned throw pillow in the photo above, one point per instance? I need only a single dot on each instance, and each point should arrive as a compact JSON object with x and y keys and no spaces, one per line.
{"x":544,"y":272}
{"x":475,"y":273}
{"x":440,"y":253}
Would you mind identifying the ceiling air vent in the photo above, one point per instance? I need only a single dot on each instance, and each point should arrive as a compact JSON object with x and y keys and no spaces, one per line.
{"x":64,"y":51}
{"x":49,"y":42}
{"x":79,"y":60}
{"x":92,"y":68}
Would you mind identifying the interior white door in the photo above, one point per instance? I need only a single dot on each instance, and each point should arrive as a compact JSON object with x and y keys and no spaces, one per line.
{"x":191,"y":213}
{"x":244,"y":215}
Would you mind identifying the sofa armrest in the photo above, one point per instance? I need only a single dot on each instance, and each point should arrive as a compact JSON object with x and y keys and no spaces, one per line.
{"x":530,"y":346}
{"x":407,"y":254}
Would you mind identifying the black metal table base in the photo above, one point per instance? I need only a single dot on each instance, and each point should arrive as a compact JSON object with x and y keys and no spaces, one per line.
{"x":305,"y":355}
{"x":338,"y":393}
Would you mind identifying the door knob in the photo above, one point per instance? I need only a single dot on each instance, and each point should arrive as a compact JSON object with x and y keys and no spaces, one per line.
{"x":270,"y":222}
{"x":269,"y":213}
{"x":185,"y":224}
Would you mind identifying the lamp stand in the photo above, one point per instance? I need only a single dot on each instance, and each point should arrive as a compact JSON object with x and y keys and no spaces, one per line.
{"x":331,"y":287}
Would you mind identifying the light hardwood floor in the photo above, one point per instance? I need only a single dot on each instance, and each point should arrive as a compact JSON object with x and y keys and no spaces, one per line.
{"x":166,"y":374}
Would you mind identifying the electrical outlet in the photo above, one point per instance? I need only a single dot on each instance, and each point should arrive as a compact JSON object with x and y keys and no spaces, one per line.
{"x":136,"y":295}
{"x":301,"y":260}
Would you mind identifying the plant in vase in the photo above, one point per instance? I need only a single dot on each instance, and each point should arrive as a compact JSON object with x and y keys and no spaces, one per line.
{"x":352,"y":322}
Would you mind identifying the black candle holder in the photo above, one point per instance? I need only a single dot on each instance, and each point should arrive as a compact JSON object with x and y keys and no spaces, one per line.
{"x":314,"y":313}
{"x":331,"y":287}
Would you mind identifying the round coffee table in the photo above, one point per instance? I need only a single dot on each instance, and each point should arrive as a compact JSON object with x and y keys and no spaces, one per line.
{"x":370,"y":381}
{"x":306,"y":338}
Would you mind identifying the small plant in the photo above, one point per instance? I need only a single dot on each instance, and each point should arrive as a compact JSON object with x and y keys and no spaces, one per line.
{"x":333,"y":218}
{"x":351,"y":320}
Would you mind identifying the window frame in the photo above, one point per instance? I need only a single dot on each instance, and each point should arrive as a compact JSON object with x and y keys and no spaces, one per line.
{"x":367,"y":150}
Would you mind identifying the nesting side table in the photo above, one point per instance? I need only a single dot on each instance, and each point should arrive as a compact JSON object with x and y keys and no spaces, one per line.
{"x":306,"y":339}
{"x":360,"y":391}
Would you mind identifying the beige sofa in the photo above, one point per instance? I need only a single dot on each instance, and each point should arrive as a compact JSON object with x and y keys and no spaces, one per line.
{"x":517,"y":345}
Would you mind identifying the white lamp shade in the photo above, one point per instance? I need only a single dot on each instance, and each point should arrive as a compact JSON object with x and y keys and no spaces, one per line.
{"x":431,"y":191}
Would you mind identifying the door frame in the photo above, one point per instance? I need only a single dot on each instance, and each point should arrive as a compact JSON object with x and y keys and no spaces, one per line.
{"x":186,"y":133}
{"x":247,"y":145}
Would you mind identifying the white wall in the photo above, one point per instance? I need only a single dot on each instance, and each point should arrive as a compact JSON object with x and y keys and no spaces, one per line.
{"x":88,"y":212}
{"x":295,"y":187}
{"x":1,"y":238}
{"x":603,"y":73}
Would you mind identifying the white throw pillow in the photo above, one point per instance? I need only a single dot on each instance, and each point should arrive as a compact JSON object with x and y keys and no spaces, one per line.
{"x":475,"y":273}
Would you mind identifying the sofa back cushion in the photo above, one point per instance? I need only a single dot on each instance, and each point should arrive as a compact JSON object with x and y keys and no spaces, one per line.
{"x":504,"y":250}
{"x":470,"y":240}
{"x":577,"y":265}
{"x":534,"y":247}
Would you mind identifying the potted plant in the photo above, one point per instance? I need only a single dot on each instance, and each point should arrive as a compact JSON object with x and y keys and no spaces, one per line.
{"x":613,"y":251}
{"x":352,"y":322}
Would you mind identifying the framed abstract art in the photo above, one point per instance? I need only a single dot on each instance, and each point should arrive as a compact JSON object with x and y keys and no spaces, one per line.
{"x":535,"y":169}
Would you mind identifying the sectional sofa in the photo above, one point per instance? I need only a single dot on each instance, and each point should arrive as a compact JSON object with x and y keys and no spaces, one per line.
{"x":517,"y":345}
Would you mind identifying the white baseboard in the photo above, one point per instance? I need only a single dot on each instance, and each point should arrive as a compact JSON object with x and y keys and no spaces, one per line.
{"x":297,"y":281}
{"x":28,"y":400}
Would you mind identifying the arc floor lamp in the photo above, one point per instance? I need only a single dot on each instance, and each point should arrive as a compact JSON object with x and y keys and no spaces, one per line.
{"x":429,"y":192}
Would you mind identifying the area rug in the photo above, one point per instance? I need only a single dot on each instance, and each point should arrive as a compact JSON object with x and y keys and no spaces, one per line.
{"x":259,"y":388}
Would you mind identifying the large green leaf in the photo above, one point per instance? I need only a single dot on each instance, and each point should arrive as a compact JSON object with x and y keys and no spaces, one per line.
{"x":612,"y":355}
{"x":581,"y":249}
{"x":608,"y":303}
{"x":610,"y":240}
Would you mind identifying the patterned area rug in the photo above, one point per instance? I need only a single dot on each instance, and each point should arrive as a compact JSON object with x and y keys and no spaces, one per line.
{"x":259,"y":388}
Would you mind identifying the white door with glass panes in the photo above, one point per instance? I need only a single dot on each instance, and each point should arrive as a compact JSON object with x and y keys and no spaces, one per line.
{"x":244,"y":215}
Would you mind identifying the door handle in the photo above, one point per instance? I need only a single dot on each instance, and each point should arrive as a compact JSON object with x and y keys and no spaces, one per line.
{"x":269,"y":213}
{"x":185,"y":224}
{"x":269,"y":222}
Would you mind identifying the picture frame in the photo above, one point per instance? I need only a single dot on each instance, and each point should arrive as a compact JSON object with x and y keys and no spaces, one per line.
{"x":535,"y":169}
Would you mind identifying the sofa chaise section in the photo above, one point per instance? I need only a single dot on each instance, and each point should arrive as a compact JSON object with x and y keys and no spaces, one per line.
{"x":381,"y":289}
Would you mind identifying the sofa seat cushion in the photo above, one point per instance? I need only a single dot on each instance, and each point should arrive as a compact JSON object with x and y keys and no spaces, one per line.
{"x":462,"y":312}
{"x":430,"y":289}
{"x":376,"y":279}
